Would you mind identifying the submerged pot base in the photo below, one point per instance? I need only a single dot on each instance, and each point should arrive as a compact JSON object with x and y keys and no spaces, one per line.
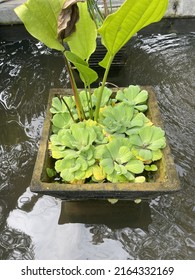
{"x":164,"y":181}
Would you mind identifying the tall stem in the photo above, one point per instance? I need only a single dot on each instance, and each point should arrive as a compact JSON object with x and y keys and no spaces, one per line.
{"x":75,"y":91}
{"x":99,"y":99}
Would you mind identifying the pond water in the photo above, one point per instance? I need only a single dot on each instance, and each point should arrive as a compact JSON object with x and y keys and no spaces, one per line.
{"x":41,"y":227}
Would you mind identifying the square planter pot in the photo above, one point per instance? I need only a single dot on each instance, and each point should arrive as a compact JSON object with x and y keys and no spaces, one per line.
{"x":164,"y":180}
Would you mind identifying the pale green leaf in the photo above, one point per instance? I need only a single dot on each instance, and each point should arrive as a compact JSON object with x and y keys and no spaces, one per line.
{"x":151,"y":167}
{"x":87,"y":75}
{"x":135,"y":166}
{"x":50,"y":172}
{"x":140,"y":179}
{"x":105,"y":96}
{"x":156,"y":155}
{"x":62,"y":120}
{"x":107,"y":165}
{"x":83,"y":41}
{"x":146,"y":134}
{"x":145,"y":154}
{"x":40,"y":19}
{"x":104,"y":62}
{"x":124,"y":155}
{"x":98,"y":173}
{"x":132,"y":16}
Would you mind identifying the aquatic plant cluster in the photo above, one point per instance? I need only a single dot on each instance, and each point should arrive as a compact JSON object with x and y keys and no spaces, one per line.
{"x":97,"y":136}
{"x":118,"y":148}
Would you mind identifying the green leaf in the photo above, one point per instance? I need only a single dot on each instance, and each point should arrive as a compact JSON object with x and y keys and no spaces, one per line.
{"x":132,"y":16}
{"x":113,"y":148}
{"x":57,"y":105}
{"x":140,"y":179}
{"x":83,"y":41}
{"x":50,"y":172}
{"x":146,"y":134}
{"x":105,"y":96}
{"x":151,"y":167}
{"x":115,"y":178}
{"x":135,"y":166}
{"x":62,"y":120}
{"x":156,"y":155}
{"x":107,"y":165}
{"x":133,"y":96}
{"x":98,"y":173}
{"x":124,"y":155}
{"x":145,"y":154}
{"x":118,"y":118}
{"x":105,"y":60}
{"x":40,"y":19}
{"x":87,"y":75}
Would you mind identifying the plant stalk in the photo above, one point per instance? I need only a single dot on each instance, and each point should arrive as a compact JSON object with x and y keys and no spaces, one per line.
{"x":97,"y":109}
{"x":61,"y":97}
{"x":75,"y":91}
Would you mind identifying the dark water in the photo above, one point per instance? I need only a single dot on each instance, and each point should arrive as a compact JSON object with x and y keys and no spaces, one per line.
{"x":42,"y":227}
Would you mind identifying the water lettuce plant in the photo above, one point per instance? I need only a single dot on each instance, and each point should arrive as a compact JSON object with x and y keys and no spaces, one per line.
{"x":97,"y":136}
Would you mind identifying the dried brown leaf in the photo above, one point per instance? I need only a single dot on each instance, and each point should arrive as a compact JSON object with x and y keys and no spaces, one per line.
{"x":68,"y":18}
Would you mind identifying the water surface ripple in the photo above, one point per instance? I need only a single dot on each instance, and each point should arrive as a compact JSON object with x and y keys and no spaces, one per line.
{"x":41,"y":227}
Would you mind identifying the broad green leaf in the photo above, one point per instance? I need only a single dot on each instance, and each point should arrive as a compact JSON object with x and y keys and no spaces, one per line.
{"x":115,"y":178}
{"x":88,"y":172}
{"x":138,"y":120}
{"x":129,"y":176}
{"x":50,"y":172}
{"x":67,"y":176}
{"x":57,"y":106}
{"x":156,"y":155}
{"x":74,"y":58}
{"x":135,"y":166}
{"x":105,"y":96}
{"x":79,"y":175}
{"x":145,"y":154}
{"x":141,"y":97}
{"x":135,"y":140}
{"x":107,"y":165}
{"x":140,"y":179}
{"x":62,"y":120}
{"x":113,"y":148}
{"x":146,"y":134}
{"x":83,"y":163}
{"x":120,"y":169}
{"x":98,"y":173}
{"x":124,"y":155}
{"x":151,"y":167}
{"x":132,"y":16}
{"x":40,"y":19}
{"x":87,"y":75}
{"x":83,"y":41}
{"x":158,"y":133}
{"x":157,"y":144}
{"x":104,"y":62}
{"x":133,"y":96}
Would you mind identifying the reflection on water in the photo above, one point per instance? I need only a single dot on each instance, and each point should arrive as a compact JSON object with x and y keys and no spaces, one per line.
{"x":120,"y":215}
{"x":42,"y":227}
